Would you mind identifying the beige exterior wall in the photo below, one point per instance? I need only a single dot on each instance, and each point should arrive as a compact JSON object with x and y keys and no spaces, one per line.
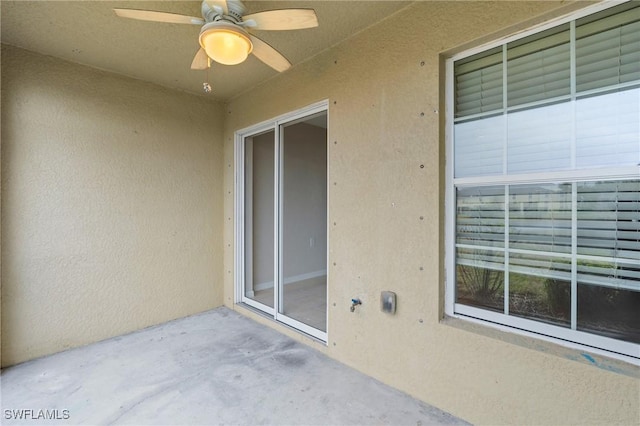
{"x":386,"y":218}
{"x":111,"y":205}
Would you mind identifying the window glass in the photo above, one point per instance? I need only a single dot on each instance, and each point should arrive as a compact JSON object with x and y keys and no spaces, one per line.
{"x":610,"y":312}
{"x":540,"y":288}
{"x":608,"y":48}
{"x":591,"y":227}
{"x":480,"y":278}
{"x":538,"y":67}
{"x":539,"y":139}
{"x":540,"y":217}
{"x":479,"y":147}
{"x":546,"y":185}
{"x":480,"y":217}
{"x":609,"y":219}
{"x":608,"y":129}
{"x":479,"y":83}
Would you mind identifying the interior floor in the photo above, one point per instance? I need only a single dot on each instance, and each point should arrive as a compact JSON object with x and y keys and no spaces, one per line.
{"x":305,"y":301}
{"x":217,"y":367}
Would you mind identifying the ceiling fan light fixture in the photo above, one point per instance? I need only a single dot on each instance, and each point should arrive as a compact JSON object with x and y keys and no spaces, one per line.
{"x":225,"y":42}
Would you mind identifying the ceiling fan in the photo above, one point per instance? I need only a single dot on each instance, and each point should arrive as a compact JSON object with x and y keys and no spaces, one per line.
{"x":225,"y":34}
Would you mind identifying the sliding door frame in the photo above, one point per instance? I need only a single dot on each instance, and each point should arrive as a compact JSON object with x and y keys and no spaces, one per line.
{"x":241,"y":186}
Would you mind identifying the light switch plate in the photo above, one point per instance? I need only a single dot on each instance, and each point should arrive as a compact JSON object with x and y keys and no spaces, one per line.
{"x":388,"y":302}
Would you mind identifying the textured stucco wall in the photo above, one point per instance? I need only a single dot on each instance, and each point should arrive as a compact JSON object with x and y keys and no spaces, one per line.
{"x":111,"y":205}
{"x":385,"y":91}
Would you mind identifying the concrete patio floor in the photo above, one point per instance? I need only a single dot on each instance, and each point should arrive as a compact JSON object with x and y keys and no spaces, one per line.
{"x":217,"y":367}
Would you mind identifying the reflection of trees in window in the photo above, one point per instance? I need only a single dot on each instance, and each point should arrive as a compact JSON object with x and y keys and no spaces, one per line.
{"x":481,"y":286}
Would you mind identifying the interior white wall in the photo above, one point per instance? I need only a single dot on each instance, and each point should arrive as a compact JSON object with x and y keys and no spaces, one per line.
{"x":111,"y":205}
{"x":305,"y":201}
{"x":262,"y":175}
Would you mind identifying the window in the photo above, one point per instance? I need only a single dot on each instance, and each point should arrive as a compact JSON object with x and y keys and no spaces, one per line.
{"x":543,"y":167}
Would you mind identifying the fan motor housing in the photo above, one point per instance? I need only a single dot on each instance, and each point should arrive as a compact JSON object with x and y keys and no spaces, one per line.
{"x":235,"y":11}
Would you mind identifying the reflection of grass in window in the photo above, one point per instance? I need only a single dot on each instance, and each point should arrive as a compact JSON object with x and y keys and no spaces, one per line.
{"x":595,"y":264}
{"x":525,"y":284}
{"x":601,"y":310}
{"x":526,"y":294}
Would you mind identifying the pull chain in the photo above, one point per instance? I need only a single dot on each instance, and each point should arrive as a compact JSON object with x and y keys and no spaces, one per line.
{"x":206,"y":86}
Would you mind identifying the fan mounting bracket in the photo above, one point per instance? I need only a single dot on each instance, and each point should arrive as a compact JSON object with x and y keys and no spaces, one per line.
{"x":235,"y":11}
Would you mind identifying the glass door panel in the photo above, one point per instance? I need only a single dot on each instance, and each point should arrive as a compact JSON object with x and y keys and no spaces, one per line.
{"x":259,"y":218}
{"x":303,"y":221}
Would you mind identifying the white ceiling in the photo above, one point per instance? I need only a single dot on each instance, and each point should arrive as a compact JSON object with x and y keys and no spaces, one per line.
{"x":88,"y":32}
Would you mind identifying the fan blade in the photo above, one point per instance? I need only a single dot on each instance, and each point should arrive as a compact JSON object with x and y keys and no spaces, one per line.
{"x":200,"y":61}
{"x":269,"y":55}
{"x":282,"y":19}
{"x":218,"y":5}
{"x":150,"y":15}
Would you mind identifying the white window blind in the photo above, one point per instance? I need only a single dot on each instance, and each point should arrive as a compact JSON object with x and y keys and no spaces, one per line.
{"x":481,"y":216}
{"x":545,"y":125}
{"x":608,"y":48}
{"x":540,"y":217}
{"x":609,"y":219}
{"x":479,"y":84}
{"x":539,"y":67}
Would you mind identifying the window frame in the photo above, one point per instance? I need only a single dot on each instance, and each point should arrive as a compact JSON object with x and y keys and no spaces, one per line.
{"x":627,"y":351}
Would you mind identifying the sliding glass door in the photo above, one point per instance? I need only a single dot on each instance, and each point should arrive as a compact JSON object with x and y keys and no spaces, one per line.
{"x":282,"y":268}
{"x":259,"y":218}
